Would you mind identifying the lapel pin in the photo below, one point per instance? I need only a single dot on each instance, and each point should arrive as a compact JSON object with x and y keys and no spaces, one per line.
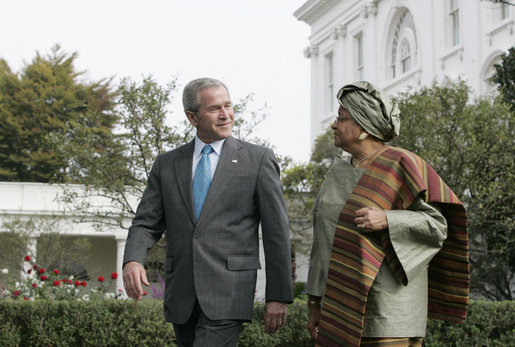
{"x":234,"y":161}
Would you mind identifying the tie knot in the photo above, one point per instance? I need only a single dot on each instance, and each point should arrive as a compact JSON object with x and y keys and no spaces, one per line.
{"x":207,"y":149}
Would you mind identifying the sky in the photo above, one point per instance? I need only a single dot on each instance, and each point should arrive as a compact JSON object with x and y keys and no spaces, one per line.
{"x":253,"y":46}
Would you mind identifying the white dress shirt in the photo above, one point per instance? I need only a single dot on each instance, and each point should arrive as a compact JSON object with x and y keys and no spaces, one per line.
{"x":213,"y":156}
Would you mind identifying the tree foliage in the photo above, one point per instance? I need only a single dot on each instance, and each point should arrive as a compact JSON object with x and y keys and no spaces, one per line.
{"x":48,"y":98}
{"x":505,"y":77}
{"x":470,"y":144}
{"x":507,"y":2}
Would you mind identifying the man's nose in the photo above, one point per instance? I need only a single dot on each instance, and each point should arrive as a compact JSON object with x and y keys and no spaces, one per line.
{"x":224,"y":113}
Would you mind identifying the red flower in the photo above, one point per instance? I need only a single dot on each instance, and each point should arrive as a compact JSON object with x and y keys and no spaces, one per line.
{"x":77,"y":283}
{"x":43,"y":278}
{"x":41,"y":270}
{"x":56,"y":271}
{"x":56,"y":283}
{"x":114,"y":275}
{"x":84,"y":284}
{"x":25,"y":298}
{"x":100,"y":279}
{"x":29,"y":271}
{"x":35,"y":266}
{"x":16,"y":293}
{"x":27,"y":258}
{"x":34,"y":285}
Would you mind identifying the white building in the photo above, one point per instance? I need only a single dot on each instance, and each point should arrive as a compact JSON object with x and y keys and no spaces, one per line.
{"x":397,"y":44}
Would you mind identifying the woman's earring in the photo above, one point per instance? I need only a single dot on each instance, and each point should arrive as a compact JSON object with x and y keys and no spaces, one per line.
{"x":362,"y":136}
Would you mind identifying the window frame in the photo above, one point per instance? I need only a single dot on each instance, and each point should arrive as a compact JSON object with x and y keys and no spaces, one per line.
{"x":329,"y":81}
{"x":359,"y":56}
{"x":404,"y":36}
{"x":454,"y":23}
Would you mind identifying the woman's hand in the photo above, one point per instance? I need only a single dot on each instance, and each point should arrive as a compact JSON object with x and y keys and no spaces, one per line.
{"x":371,"y":219}
{"x":315,"y":310}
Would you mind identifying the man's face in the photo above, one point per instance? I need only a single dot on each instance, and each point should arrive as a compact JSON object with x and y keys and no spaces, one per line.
{"x":215,"y":117}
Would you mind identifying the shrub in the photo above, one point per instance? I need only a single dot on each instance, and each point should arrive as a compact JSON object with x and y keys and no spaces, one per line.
{"x":489,"y":323}
{"x":127,"y":323}
{"x":84,"y":323}
{"x":299,"y":289}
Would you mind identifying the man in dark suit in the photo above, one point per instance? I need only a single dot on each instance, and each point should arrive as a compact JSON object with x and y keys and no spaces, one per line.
{"x":212,"y":254}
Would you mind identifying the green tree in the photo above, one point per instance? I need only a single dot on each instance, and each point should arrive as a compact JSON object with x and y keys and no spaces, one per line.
{"x":470,"y":144}
{"x":48,"y":98}
{"x":505,"y":77}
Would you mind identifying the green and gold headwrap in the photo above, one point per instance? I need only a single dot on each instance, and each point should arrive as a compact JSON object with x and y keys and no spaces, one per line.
{"x":372,"y":109}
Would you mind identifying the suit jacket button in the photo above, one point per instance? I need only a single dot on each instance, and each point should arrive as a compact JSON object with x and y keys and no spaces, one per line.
{"x":196,"y":235}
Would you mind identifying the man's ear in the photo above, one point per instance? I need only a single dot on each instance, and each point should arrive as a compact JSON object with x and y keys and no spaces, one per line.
{"x":192,"y":117}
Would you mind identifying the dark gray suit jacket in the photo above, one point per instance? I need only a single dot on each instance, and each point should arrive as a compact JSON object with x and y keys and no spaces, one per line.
{"x":215,"y":259}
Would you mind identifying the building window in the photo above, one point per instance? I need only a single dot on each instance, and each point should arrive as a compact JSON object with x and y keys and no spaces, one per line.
{"x":405,"y":56}
{"x":359,"y":56}
{"x":505,"y":11}
{"x":454,"y":19}
{"x":404,"y":45}
{"x":329,"y":81}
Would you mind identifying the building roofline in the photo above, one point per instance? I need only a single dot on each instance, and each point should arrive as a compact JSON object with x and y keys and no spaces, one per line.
{"x":312,"y":9}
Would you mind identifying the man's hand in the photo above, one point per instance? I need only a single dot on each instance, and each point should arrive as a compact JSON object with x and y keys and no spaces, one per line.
{"x":314,"y":319}
{"x":133,"y":274}
{"x":275,"y":316}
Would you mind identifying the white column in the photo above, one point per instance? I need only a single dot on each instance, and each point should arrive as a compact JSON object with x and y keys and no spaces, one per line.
{"x":120,"y":247}
{"x":32,"y":244}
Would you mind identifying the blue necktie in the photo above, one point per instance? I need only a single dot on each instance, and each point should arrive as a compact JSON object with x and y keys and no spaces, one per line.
{"x":202,"y":180}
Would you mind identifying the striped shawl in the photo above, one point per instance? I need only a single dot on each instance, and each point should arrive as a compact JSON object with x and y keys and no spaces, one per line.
{"x":392,"y":182}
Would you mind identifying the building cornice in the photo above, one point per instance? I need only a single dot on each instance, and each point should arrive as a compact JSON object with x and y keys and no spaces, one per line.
{"x":312,"y":9}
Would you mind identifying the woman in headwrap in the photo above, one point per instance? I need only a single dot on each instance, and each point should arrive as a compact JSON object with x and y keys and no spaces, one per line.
{"x":390,"y":243}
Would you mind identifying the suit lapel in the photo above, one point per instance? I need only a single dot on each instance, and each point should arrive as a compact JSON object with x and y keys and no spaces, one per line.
{"x":184,"y":179}
{"x":225,"y":169}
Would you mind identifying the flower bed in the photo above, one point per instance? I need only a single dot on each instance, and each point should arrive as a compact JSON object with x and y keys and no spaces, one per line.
{"x":39,"y":283}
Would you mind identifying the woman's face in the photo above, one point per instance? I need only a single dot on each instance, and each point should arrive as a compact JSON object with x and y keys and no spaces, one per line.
{"x":346,"y":131}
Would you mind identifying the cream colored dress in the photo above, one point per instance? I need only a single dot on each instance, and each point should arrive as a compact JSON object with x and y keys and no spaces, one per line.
{"x":417,"y":234}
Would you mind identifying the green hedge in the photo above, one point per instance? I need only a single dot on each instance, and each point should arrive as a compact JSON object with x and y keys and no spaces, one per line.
{"x":489,"y":323}
{"x":84,"y":323}
{"x":126,"y":323}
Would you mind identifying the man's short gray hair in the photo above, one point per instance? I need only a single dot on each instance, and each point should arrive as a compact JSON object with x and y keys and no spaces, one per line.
{"x":190,"y":95}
